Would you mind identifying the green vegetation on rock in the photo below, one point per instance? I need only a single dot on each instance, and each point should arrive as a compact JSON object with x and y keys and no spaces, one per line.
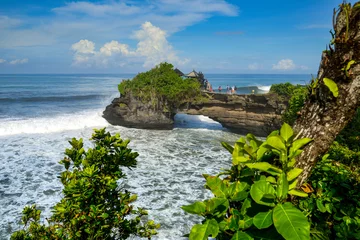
{"x":297,"y":95}
{"x":92,"y":206}
{"x":162,"y":84}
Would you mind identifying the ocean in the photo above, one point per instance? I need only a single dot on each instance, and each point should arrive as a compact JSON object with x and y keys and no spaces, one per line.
{"x":39,"y":114}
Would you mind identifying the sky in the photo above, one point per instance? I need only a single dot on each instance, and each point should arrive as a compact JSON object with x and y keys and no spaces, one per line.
{"x":130,"y":36}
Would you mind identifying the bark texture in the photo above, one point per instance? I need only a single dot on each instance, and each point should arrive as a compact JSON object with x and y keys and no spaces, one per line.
{"x":324,"y":116}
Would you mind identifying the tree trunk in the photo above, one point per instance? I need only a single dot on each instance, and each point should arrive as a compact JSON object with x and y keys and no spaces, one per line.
{"x":324,"y":115}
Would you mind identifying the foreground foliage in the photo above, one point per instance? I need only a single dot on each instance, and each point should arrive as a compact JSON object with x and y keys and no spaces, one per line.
{"x":253,"y":200}
{"x":297,"y":95}
{"x":93,"y":207}
{"x":333,"y":207}
{"x":162,"y":84}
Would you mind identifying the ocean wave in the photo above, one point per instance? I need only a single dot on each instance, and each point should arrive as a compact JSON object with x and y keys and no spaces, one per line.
{"x":52,"y":124}
{"x":52,"y":98}
{"x":264,"y":88}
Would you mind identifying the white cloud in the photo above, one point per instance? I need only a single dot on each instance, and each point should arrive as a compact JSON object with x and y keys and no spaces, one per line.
{"x":112,"y":19}
{"x":83,"y":46}
{"x":285,"y":64}
{"x":115,"y":47}
{"x":199,"y":6}
{"x":116,"y":8}
{"x":6,"y":22}
{"x":288,"y":64}
{"x":254,"y":66}
{"x":19,"y":61}
{"x":154,"y":46}
{"x":2,"y":60}
{"x":152,"y":49}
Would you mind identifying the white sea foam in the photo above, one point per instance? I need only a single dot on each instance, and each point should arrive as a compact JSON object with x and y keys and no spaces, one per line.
{"x":196,"y":121}
{"x":52,"y":124}
{"x":168,"y":174}
{"x":264,"y":88}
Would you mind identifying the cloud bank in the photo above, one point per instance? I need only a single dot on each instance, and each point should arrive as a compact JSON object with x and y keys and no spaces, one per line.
{"x":152,"y":48}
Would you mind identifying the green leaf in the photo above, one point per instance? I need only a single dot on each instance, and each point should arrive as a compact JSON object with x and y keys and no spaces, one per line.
{"x":246,"y":204}
{"x":297,"y":144}
{"x":238,"y":149}
{"x":286,"y":132}
{"x":203,"y":231}
{"x":217,"y":205}
{"x":260,"y":152}
{"x":245,"y":223}
{"x":290,"y":222}
{"x":195,"y":208}
{"x":320,"y":205}
{"x":237,"y":191}
{"x":227,"y":147}
{"x":276,"y":142}
{"x":348,"y":66}
{"x":293,"y":173}
{"x":332,"y":86}
{"x":250,"y":137}
{"x":273,"y":133}
{"x":265,"y":167}
{"x":298,"y":193}
{"x":271,"y":179}
{"x":282,"y":186}
{"x":216,"y":185}
{"x":239,"y":235}
{"x":259,"y":189}
{"x":263,"y":220}
{"x":240,"y":159}
{"x":293,"y":184}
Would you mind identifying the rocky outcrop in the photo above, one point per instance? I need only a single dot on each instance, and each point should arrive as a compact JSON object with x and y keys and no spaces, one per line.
{"x":129,"y":111}
{"x":258,"y":114}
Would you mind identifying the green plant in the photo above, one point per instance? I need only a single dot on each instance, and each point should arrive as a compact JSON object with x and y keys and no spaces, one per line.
{"x":332,"y":86}
{"x":333,"y":206}
{"x":161,"y":84}
{"x":253,"y":200}
{"x":93,"y":207}
{"x":296,"y":102}
{"x":284,"y":89}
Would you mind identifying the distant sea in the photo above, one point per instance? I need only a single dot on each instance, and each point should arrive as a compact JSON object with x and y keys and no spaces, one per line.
{"x":39,"y":114}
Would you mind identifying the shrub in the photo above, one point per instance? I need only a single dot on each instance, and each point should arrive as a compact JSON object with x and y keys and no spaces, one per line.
{"x":163,"y":84}
{"x":284,"y":89}
{"x":333,"y":207}
{"x":93,"y":207}
{"x":253,"y":200}
{"x":296,"y":103}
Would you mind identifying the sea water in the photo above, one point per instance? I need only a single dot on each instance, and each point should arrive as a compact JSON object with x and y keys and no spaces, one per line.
{"x":39,"y":114}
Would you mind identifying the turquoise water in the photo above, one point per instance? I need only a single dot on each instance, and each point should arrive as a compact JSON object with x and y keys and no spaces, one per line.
{"x":40,"y":113}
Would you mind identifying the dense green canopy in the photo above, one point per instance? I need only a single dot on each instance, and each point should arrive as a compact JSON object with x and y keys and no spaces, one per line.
{"x":163,"y":84}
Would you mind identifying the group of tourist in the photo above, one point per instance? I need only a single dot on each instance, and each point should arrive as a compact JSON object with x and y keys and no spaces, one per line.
{"x":229,"y":90}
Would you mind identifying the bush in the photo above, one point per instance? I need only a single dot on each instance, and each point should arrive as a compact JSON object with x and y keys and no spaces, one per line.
{"x":284,"y":89}
{"x":296,"y":103}
{"x":161,"y":83}
{"x":93,"y":207}
{"x":253,"y":200}
{"x":333,"y":207}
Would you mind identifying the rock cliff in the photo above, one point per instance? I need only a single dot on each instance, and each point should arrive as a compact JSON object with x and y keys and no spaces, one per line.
{"x":258,"y":114}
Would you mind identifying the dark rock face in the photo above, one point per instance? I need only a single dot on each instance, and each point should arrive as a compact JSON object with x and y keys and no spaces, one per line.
{"x":130,"y":112}
{"x":257,"y":114}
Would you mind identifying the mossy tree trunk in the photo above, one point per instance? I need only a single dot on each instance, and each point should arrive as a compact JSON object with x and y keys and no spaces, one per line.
{"x":324,"y":115}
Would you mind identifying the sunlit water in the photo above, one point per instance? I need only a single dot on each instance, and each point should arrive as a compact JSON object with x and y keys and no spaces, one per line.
{"x":40,"y":114}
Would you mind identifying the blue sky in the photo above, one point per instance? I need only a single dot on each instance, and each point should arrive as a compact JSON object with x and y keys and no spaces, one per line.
{"x":215,"y":36}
